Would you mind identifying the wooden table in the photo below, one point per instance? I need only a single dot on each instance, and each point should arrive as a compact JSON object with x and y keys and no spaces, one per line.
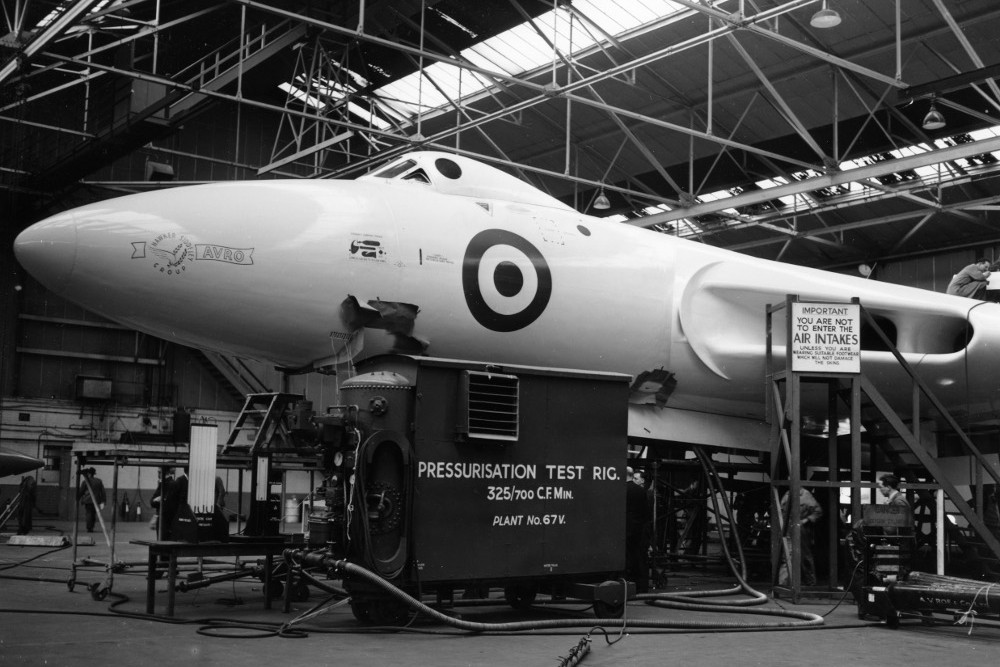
{"x":175,"y":550}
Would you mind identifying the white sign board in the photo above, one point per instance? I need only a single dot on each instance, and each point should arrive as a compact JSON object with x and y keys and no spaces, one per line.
{"x":826,"y":337}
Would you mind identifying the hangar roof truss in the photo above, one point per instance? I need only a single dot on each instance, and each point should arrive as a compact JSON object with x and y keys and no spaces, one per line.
{"x":733,"y":122}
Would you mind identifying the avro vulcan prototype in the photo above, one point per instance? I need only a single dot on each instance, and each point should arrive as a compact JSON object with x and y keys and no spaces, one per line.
{"x":442,"y":255}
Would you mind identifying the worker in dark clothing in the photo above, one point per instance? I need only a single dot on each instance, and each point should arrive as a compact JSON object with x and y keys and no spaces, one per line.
{"x":93,"y":496}
{"x":637,"y":526}
{"x":809,"y":513}
{"x":220,"y":493}
{"x":26,"y":509}
{"x":991,"y":510}
{"x":173,"y":498}
{"x":161,"y":491}
{"x":972,"y":280}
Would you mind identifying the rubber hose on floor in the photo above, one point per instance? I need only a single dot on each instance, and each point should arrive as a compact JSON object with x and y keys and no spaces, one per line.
{"x":801,"y":619}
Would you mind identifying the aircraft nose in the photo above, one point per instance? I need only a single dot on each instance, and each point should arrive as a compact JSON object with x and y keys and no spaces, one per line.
{"x":48,"y":250}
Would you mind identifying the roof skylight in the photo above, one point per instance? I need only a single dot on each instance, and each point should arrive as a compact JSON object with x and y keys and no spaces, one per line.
{"x":521,"y":49}
{"x":510,"y":54}
{"x":800,"y":201}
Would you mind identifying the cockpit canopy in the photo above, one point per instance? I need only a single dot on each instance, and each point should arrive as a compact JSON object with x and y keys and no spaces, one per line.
{"x":456,"y":175}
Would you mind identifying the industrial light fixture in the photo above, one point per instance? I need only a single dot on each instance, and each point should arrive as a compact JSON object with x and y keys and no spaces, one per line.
{"x":934,"y":120}
{"x":602,"y":202}
{"x":825,"y":18}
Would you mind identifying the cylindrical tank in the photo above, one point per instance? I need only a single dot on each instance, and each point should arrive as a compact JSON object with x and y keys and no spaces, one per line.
{"x":384,"y":400}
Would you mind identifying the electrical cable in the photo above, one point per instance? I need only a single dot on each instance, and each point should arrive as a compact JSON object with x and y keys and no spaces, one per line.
{"x":800,"y":619}
{"x":710,"y":468}
{"x":793,"y":619}
{"x":847,"y":589}
{"x":11,"y":566}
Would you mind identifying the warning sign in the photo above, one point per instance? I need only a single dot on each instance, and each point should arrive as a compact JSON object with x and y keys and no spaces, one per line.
{"x":826,"y":337}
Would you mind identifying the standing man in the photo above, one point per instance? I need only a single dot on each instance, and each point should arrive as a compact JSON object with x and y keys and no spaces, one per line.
{"x":888,"y":486}
{"x":220,"y":494}
{"x":173,"y":498}
{"x":27,"y":507}
{"x":972,"y":280}
{"x":637,"y":524}
{"x":162,"y":491}
{"x":91,"y":492}
{"x":809,"y":513}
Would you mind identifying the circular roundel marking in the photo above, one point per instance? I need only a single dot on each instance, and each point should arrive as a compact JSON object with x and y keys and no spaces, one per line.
{"x":506,"y":280}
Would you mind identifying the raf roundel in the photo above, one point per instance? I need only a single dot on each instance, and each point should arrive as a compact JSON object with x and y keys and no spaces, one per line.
{"x":506,"y":280}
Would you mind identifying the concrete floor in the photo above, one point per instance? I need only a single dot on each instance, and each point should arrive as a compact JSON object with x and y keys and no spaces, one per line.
{"x":43,"y":623}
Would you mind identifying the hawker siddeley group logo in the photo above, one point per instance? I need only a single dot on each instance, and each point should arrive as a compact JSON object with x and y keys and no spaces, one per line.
{"x":173,"y":253}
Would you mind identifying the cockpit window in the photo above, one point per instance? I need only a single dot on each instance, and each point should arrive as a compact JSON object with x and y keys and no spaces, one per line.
{"x":418,"y":175}
{"x":395,"y":170}
{"x":448,"y":168}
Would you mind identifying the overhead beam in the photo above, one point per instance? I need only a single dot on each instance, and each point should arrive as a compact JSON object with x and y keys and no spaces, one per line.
{"x":859,"y":224}
{"x":787,"y":111}
{"x":544,"y":92}
{"x":825,"y":181}
{"x":240,"y":65}
{"x":305,"y":152}
{"x":949,"y":84}
{"x":627,"y":131}
{"x":752,"y":24}
{"x":53,"y":30}
{"x":966,"y":44}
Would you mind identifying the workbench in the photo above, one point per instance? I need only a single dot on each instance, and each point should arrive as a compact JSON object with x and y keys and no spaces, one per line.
{"x":174,"y":550}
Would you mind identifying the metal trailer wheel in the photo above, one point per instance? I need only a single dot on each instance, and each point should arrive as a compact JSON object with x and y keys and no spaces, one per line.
{"x":98,"y":592}
{"x":520,"y":596}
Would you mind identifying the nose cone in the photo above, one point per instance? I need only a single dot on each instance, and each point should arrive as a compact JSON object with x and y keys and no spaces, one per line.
{"x":48,"y":250}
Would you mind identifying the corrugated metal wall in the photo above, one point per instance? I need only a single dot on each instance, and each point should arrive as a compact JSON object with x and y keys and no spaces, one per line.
{"x":932,"y":272}
{"x":59,"y":342}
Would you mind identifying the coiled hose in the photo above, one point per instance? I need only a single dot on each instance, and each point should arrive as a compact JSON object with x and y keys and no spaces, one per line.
{"x":684,"y":600}
{"x":690,"y":601}
{"x":798,"y":619}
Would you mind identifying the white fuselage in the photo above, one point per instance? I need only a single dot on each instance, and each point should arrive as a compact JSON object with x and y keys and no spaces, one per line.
{"x":263,"y":270}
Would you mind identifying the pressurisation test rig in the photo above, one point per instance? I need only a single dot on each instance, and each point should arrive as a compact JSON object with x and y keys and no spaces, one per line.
{"x":440,"y":475}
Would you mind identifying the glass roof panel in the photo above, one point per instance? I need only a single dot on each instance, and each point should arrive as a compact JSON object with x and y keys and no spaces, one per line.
{"x":522,"y":49}
{"x":928,"y":171}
